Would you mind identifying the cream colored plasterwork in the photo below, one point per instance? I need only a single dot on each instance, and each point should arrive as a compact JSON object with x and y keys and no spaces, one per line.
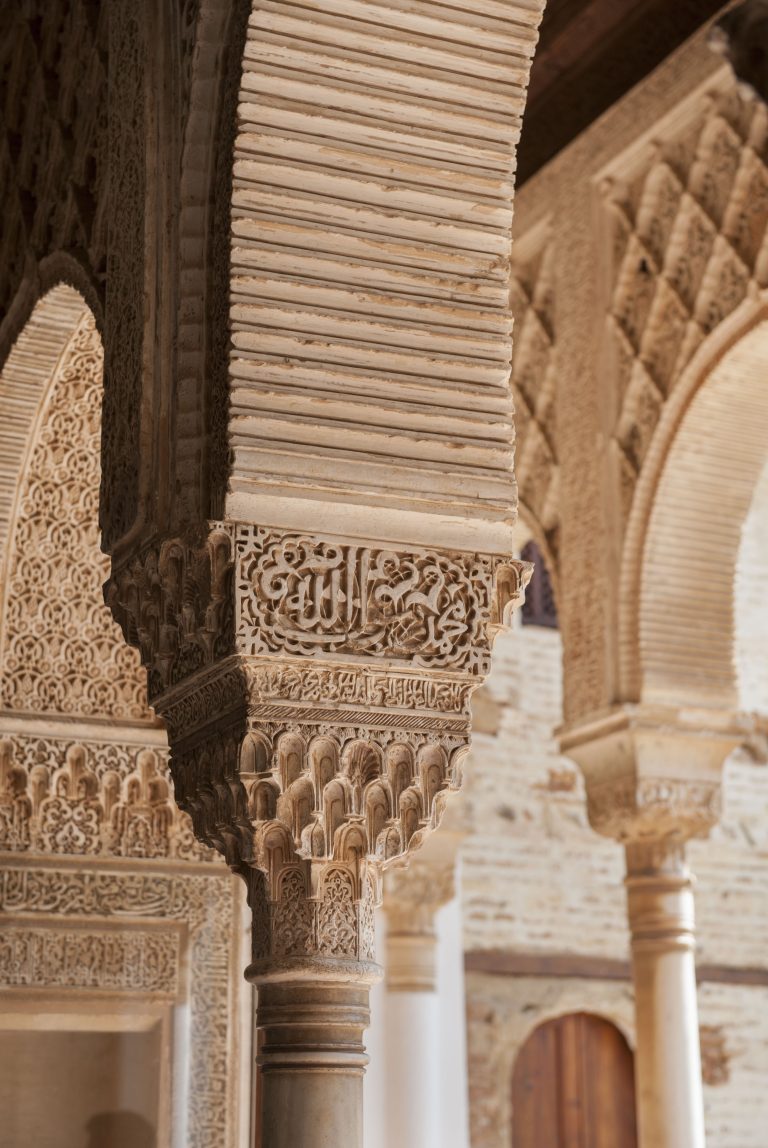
{"x":86,"y":927}
{"x":104,"y":888}
{"x":60,"y":653}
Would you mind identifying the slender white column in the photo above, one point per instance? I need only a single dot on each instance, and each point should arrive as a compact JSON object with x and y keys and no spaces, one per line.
{"x":413,"y":1068}
{"x":413,"y":1025}
{"x":668,"y":1059}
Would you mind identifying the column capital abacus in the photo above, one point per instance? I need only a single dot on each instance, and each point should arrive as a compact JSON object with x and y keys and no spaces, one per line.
{"x":652,"y":773}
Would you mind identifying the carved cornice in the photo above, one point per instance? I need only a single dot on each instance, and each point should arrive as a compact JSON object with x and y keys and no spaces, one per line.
{"x":59,"y":796}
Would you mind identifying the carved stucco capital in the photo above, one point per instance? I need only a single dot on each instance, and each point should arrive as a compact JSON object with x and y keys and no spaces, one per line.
{"x":412,"y":896}
{"x":316,"y":693}
{"x":653,"y":774}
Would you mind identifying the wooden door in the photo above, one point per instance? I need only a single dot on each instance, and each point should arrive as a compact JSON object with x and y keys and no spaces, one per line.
{"x":573,"y":1087}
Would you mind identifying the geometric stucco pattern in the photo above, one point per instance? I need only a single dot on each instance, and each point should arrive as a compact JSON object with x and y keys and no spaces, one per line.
{"x":61,"y":651}
{"x":688,"y":238}
{"x":534,"y":384}
{"x":128,"y":931}
{"x":92,"y":789}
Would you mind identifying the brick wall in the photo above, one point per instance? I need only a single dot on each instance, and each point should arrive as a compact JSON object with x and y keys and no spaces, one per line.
{"x":536,"y":879}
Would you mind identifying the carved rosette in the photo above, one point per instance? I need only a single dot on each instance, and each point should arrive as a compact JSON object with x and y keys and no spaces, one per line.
{"x":316,"y":694}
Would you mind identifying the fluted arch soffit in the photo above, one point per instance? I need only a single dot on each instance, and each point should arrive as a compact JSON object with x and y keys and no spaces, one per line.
{"x":681,"y":554}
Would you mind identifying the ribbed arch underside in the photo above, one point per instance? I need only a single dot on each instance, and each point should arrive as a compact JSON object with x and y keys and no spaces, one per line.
{"x":691,"y":555}
{"x":371,"y":219}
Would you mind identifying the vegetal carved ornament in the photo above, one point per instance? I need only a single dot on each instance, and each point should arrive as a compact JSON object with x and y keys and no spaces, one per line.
{"x":316,"y":693}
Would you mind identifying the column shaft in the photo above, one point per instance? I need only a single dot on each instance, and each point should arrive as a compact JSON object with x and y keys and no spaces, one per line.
{"x":312,"y":1061}
{"x":413,"y":1039}
{"x":668,"y":1059}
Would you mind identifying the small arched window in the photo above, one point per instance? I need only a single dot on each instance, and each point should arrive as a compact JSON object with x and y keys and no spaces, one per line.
{"x":539,"y":606}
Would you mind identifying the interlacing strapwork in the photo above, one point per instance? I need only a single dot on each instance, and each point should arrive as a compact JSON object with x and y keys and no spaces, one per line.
{"x":689,"y":239}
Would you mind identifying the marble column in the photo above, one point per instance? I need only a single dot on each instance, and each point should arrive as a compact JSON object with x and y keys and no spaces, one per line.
{"x":667,"y":1060}
{"x":653,"y":778}
{"x":312,"y":1059}
{"x":412,"y":899}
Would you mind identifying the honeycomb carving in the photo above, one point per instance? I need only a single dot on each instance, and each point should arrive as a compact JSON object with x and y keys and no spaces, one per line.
{"x":688,"y":246}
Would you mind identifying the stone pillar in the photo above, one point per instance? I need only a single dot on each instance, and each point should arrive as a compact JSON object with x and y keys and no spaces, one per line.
{"x":312,"y":1059}
{"x":310,"y":529}
{"x":316,"y":694}
{"x":653,"y":782}
{"x":667,"y":1060}
{"x":413,"y":1030}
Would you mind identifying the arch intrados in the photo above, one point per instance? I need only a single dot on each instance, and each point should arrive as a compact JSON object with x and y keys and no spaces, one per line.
{"x":636,"y":571}
{"x":55,"y":271}
{"x":558,"y":1012}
